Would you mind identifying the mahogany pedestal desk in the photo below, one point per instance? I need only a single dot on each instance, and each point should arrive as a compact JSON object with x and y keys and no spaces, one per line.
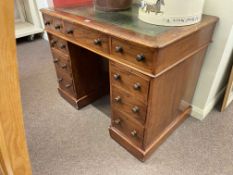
{"x":151,"y":71}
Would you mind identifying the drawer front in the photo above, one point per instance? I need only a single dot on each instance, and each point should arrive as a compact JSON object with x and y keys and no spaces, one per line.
{"x":53,"y":23}
{"x":138,"y":56}
{"x":88,"y":37}
{"x":62,"y":63}
{"x":66,"y":83}
{"x":125,"y":79}
{"x":128,"y":105}
{"x":131,"y":130}
{"x":48,"y":21}
{"x":59,"y":44}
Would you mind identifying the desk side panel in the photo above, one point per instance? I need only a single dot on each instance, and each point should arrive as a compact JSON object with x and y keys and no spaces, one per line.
{"x":170,"y":97}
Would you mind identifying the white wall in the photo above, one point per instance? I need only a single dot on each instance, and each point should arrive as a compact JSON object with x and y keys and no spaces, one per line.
{"x":41,"y":4}
{"x":216,"y":66}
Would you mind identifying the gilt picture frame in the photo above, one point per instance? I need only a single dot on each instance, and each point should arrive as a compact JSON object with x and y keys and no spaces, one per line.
{"x":228,"y":98}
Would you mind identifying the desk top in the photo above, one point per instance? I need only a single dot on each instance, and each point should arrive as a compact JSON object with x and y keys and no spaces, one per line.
{"x":127,"y":19}
{"x":126,"y":25}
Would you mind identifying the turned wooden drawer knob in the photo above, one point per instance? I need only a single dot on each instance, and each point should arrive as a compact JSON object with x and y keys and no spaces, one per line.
{"x":58,"y":26}
{"x":117,"y":121}
{"x":137,"y":86}
{"x":53,"y":42}
{"x":68,"y":85}
{"x":55,"y":60}
{"x":135,"y":109}
{"x":98,"y":42}
{"x":70,"y":31}
{"x":64,"y":66}
{"x":117,"y":76}
{"x":134,"y":133}
{"x":63,"y":46}
{"x":59,"y":80}
{"x":47,"y":23}
{"x":119,"y":49}
{"x":118,"y":99}
{"x":140,"y":57}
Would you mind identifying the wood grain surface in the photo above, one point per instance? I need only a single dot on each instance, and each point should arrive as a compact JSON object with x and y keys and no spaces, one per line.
{"x":128,"y":103}
{"x":128,"y":80}
{"x":5,"y":164}
{"x":11,"y":119}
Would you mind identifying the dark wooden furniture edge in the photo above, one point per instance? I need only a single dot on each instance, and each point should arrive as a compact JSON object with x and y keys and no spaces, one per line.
{"x":159,"y":41}
{"x":127,"y":144}
{"x":68,"y":98}
{"x":84,"y":101}
{"x":140,"y":154}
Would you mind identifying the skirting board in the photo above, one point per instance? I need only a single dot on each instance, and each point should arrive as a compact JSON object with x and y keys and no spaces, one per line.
{"x":201,"y":114}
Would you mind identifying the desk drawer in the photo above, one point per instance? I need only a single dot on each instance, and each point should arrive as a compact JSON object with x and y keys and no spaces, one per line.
{"x":48,"y":21}
{"x":59,"y":44}
{"x":128,"y":105}
{"x":131,"y":130}
{"x":86,"y":36}
{"x":62,"y":63}
{"x":66,"y":83}
{"x":53,"y":23}
{"x":136,"y":55}
{"x":125,"y":78}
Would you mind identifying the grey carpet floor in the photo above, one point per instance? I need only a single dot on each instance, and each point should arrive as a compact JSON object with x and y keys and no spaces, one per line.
{"x":64,"y":141}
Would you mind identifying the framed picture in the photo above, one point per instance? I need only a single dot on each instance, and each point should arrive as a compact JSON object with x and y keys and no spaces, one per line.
{"x":228,"y":98}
